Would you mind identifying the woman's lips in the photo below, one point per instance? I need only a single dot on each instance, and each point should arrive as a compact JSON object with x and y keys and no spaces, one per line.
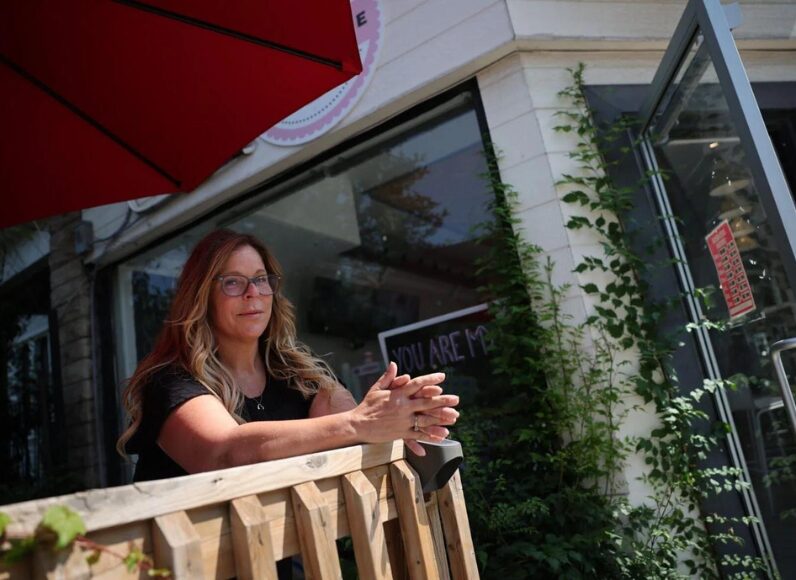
{"x":251,"y":314}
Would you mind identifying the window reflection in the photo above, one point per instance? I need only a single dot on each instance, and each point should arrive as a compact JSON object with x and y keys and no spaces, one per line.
{"x":377,"y":237}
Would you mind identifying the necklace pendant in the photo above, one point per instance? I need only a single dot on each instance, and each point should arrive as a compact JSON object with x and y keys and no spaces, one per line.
{"x":260,"y":407}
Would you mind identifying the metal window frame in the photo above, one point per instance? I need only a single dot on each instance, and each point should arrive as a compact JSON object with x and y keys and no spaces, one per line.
{"x":709,"y":18}
{"x":702,"y":338}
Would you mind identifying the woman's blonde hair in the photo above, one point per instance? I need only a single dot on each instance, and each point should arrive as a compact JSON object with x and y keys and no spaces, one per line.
{"x":187,"y":343}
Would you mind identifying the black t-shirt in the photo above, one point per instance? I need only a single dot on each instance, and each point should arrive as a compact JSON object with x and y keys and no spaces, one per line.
{"x":170,"y":387}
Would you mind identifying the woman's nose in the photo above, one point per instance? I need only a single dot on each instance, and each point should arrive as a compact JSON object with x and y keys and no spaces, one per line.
{"x":251,"y":290}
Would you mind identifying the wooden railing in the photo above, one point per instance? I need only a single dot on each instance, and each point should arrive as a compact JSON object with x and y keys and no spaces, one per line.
{"x":238,"y":522}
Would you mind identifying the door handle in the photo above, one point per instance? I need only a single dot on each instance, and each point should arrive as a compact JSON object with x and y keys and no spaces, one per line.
{"x":787,"y":395}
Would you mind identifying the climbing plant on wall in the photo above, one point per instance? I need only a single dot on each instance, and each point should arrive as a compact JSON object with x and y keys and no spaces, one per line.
{"x":544,"y":447}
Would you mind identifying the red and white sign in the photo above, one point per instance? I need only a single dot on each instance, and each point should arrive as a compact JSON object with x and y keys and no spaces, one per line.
{"x":315,"y":119}
{"x":732,"y":275}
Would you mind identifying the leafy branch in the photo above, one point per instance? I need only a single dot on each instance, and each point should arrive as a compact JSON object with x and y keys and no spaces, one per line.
{"x":60,"y":529}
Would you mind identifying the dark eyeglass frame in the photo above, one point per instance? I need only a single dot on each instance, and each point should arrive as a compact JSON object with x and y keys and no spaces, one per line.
{"x":272,"y":279}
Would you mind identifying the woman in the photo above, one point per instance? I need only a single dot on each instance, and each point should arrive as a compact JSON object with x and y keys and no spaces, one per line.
{"x":227,"y":383}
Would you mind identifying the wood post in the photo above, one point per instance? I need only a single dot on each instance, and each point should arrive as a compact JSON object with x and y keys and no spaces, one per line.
{"x":415,"y":527}
{"x":457,"y":529}
{"x":366,"y":523}
{"x":177,"y":546}
{"x":251,"y":540}
{"x":313,"y":521}
{"x":432,"y":508}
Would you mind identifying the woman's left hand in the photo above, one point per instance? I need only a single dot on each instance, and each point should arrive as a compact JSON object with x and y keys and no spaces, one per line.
{"x":446,"y":415}
{"x":332,"y":401}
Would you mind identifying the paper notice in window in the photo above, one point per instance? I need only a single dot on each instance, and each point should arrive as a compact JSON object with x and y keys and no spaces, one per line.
{"x":732,"y":275}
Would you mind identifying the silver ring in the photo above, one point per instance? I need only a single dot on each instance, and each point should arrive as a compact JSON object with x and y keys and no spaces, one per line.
{"x":415,"y":426}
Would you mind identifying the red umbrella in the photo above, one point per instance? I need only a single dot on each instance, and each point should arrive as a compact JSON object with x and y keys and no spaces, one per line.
{"x":104,"y":101}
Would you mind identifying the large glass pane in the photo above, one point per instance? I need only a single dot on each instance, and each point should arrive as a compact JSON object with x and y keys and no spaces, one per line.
{"x":376,"y":238}
{"x":32,"y":448}
{"x":734,"y":258}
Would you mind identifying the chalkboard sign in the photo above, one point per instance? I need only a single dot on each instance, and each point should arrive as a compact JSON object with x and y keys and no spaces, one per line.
{"x":455,"y":343}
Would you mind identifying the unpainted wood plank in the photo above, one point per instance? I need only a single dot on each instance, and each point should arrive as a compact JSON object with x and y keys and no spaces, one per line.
{"x":214,"y":529}
{"x":456,"y":525}
{"x":177,"y":545}
{"x":415,"y":527}
{"x":366,"y":524}
{"x":114,"y":506}
{"x":213,"y":526}
{"x":212,"y":522}
{"x":121,"y":540}
{"x":59,"y":565}
{"x":280,"y":512}
{"x":432,"y":508}
{"x":395,"y":549}
{"x":251,"y":540}
{"x":313,"y":521}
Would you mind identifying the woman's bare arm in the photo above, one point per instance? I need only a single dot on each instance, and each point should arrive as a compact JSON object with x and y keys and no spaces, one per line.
{"x":200,"y":435}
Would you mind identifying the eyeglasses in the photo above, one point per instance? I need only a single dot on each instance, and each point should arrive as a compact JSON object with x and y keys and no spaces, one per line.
{"x":234,"y":285}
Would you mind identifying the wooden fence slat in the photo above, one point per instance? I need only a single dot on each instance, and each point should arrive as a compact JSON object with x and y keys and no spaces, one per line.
{"x":432,"y":507}
{"x":313,"y":522}
{"x":177,"y":545}
{"x":251,"y":540}
{"x":415,"y":527}
{"x":366,"y":524}
{"x":453,"y":510}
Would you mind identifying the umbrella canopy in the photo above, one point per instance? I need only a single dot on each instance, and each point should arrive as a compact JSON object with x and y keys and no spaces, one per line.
{"x":104,"y":101}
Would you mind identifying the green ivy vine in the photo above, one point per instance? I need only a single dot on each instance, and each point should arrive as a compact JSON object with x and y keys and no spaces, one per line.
{"x":545,"y":452}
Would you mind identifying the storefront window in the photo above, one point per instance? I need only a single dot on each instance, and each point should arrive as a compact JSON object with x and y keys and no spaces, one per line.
{"x":379,"y":236}
{"x":31,"y":410}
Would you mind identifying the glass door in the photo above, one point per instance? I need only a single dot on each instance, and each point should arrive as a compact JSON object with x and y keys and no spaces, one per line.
{"x":731,"y":222}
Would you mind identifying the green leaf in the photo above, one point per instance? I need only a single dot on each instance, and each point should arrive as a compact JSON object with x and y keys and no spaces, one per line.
{"x":5,"y":519}
{"x":93,"y":557}
{"x":64,"y":523}
{"x":132,"y":559}
{"x":576,"y":197}
{"x":19,"y":550}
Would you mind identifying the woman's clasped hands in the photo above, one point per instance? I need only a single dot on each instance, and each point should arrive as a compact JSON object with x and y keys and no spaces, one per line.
{"x":401,"y":407}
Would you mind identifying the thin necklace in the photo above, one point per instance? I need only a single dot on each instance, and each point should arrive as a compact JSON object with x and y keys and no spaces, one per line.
{"x":260,"y":401}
